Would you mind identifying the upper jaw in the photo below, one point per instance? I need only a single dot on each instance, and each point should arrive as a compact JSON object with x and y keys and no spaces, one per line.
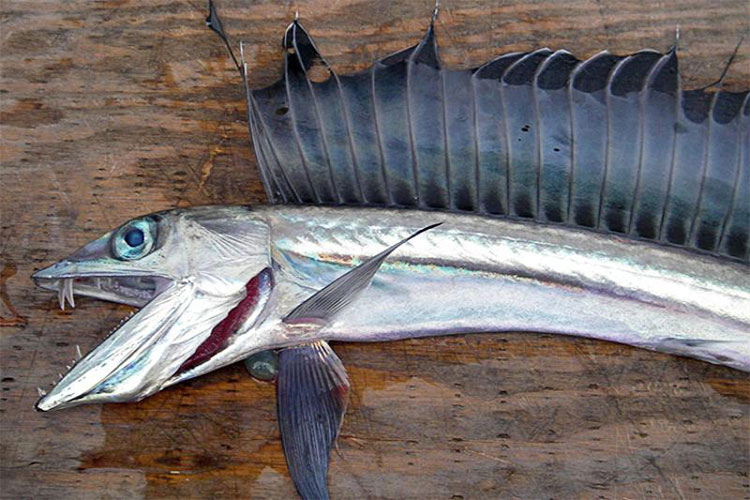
{"x":131,"y":287}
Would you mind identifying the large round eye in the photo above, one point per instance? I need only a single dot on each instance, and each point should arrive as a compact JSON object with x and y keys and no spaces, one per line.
{"x":135,"y":239}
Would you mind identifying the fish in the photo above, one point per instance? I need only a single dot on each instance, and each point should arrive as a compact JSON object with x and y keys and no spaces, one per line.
{"x":410,"y":201}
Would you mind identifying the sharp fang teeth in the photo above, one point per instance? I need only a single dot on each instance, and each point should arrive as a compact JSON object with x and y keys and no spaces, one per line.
{"x":78,"y":351}
{"x":61,"y":293}
{"x":60,"y":376}
{"x":41,"y":392}
{"x":69,"y":292}
{"x":67,"y":367}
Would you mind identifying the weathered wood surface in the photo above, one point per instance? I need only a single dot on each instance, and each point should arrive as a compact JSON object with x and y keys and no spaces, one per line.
{"x":114,"y":109}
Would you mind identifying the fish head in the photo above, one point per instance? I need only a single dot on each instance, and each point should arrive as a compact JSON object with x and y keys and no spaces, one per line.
{"x":187,"y":270}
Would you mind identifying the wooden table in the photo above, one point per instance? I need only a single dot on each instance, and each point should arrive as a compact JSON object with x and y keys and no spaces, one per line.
{"x":114,"y":109}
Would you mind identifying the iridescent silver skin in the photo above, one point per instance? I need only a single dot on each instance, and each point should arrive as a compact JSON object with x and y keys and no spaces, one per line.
{"x":471,"y":274}
{"x":192,"y":273}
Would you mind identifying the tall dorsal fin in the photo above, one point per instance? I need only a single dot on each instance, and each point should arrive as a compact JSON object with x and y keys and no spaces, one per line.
{"x":538,"y":136}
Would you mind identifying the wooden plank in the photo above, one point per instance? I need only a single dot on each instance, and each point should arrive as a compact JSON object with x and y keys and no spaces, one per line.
{"x":114,"y":109}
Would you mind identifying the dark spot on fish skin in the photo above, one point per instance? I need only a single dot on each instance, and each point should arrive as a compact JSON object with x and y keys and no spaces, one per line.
{"x":282,"y":111}
{"x":706,"y":239}
{"x":523,"y":206}
{"x":666,"y":80}
{"x":680,"y":128}
{"x":645,"y":227}
{"x":553,"y":214}
{"x":737,"y":244}
{"x":556,"y":150}
{"x":615,"y":222}
{"x":676,"y":233}
{"x":523,"y":72}
{"x":525,"y":128}
{"x":585,"y":215}
{"x":8,"y":379}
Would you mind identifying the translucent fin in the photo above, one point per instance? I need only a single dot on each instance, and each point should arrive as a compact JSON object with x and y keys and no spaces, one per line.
{"x":324,"y":304}
{"x":312,"y":395}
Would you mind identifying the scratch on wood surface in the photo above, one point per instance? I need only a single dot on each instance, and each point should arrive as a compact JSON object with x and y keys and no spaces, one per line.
{"x":146,"y":93}
{"x":15,"y":319}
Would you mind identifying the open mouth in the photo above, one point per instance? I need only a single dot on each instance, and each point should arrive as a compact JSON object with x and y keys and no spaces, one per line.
{"x":131,"y":290}
{"x":151,"y":345}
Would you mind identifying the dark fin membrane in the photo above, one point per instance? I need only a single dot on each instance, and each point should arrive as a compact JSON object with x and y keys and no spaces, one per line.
{"x":312,"y":394}
{"x":214,"y":23}
{"x":611,"y":144}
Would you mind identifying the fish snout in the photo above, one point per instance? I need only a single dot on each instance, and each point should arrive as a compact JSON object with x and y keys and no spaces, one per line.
{"x":58,"y":270}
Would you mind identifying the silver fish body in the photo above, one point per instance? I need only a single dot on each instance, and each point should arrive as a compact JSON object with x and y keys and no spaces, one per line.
{"x":471,"y":274}
{"x":480,"y":274}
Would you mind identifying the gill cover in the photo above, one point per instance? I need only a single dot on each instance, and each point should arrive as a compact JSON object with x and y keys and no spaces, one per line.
{"x":199,"y":262}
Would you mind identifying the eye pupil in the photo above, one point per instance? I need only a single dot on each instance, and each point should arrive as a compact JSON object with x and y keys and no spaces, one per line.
{"x":134,"y":237}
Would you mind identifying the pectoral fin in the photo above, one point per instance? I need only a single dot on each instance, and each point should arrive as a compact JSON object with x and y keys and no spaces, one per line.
{"x":312,"y":394}
{"x":324,"y":304}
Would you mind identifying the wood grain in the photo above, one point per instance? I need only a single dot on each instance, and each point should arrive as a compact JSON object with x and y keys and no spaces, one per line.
{"x":113,"y":109}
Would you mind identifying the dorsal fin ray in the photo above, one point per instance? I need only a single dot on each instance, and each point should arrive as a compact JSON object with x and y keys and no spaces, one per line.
{"x":410,"y":133}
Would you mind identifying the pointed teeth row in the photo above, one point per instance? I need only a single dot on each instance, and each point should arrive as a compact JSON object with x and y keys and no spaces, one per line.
{"x":69,"y":367}
{"x":65,"y":293}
